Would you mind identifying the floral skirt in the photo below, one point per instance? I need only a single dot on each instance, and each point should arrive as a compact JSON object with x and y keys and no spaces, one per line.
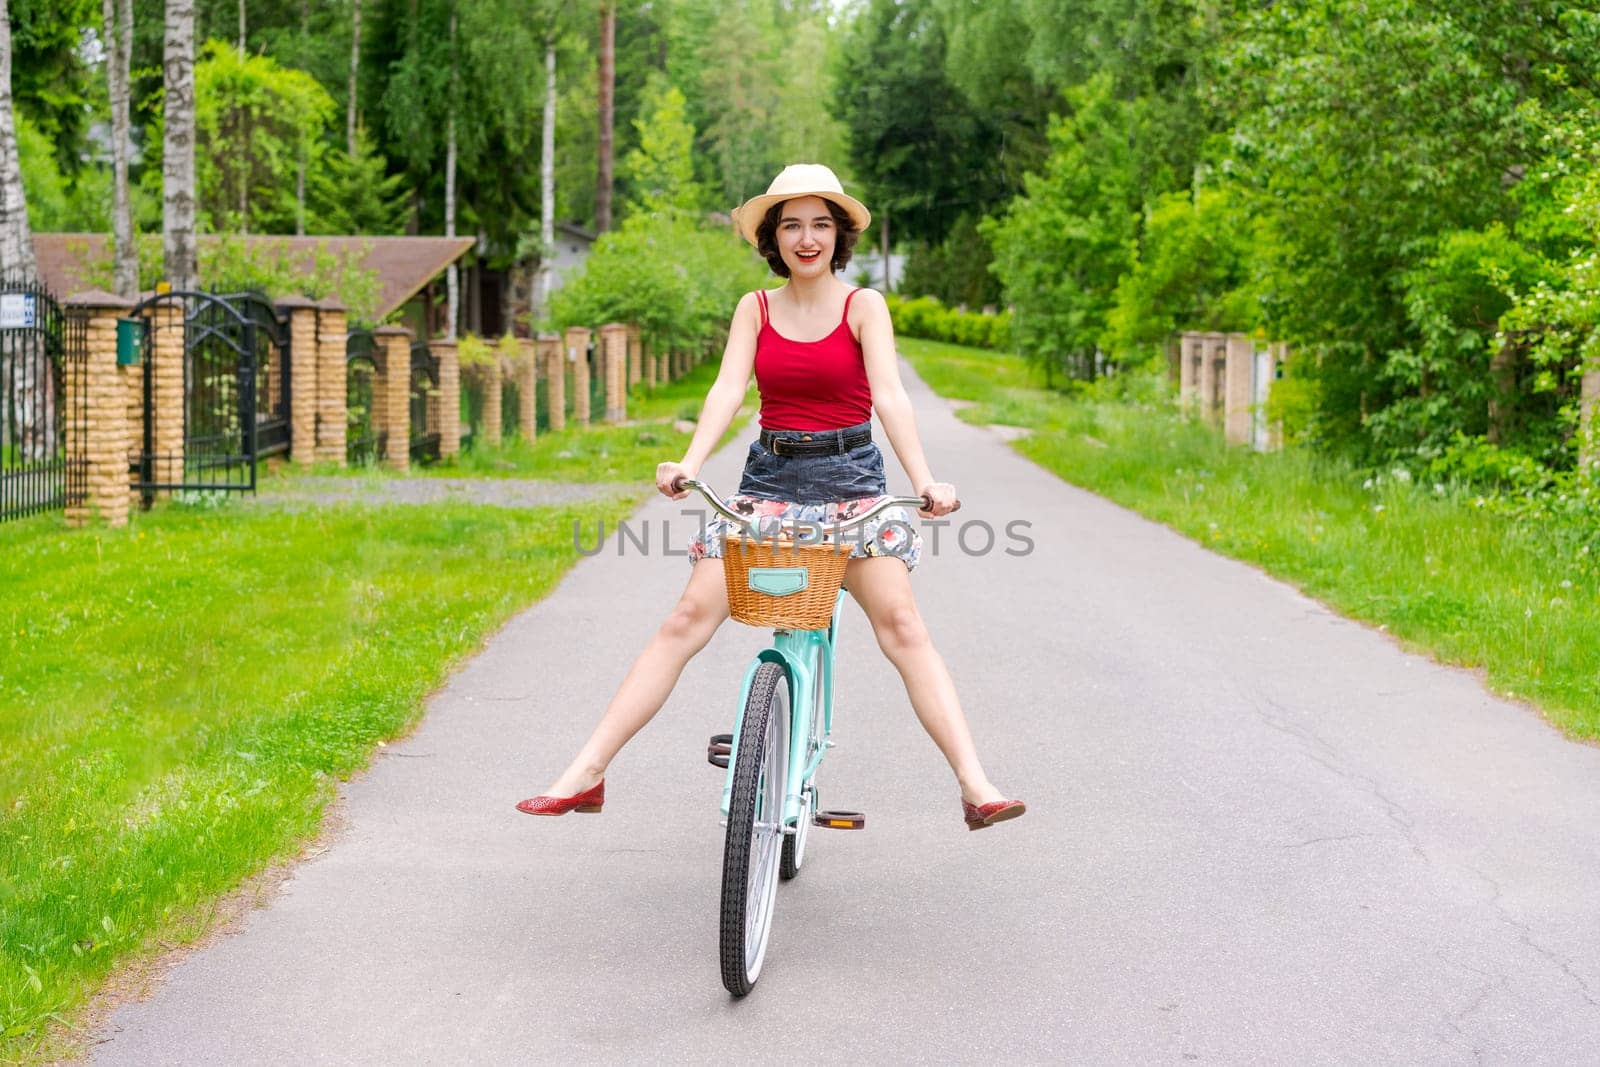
{"x":891,"y":533}
{"x":778,"y":491}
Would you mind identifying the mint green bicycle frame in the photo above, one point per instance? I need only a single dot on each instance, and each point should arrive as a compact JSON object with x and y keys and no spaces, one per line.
{"x":795,"y":650}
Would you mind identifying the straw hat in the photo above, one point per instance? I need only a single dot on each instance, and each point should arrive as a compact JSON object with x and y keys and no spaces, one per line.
{"x":797,"y":180}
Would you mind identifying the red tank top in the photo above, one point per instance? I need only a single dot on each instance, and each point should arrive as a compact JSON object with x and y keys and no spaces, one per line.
{"x":811,"y":385}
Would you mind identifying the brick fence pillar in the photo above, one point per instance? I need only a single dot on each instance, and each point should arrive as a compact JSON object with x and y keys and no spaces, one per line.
{"x":663,"y":366}
{"x":552,"y":359}
{"x":1212,"y":347}
{"x":1189,"y":348}
{"x":164,"y":345}
{"x":444,"y":406}
{"x":96,"y":411}
{"x":391,"y":396}
{"x":333,"y":412}
{"x":528,"y":392}
{"x":578,"y":360}
{"x":303,"y":359}
{"x":1238,"y":374}
{"x":614,"y":358}
{"x":635,"y":355}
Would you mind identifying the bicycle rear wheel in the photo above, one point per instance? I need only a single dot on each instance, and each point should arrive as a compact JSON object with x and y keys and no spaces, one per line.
{"x":751,"y":855}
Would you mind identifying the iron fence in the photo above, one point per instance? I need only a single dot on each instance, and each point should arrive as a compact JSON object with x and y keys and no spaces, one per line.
{"x":41,"y":357}
{"x":424,"y":390}
{"x":363,"y":363}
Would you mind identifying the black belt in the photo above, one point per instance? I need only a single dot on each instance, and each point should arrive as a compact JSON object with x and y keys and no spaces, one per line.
{"x":815,"y":442}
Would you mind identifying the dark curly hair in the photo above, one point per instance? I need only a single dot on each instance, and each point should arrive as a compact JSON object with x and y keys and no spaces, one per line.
{"x":844,"y":243}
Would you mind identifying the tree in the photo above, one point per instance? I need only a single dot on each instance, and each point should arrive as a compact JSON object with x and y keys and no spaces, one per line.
{"x":177,"y":154}
{"x":118,"y":18}
{"x":257,"y":124}
{"x":51,"y":81}
{"x":452,"y":111}
{"x":740,"y":99}
{"x":355,"y":66}
{"x":1061,"y":247}
{"x":354,"y":194}
{"x":547,"y":180}
{"x":926,"y":156}
{"x":16,"y":237}
{"x":608,"y":76}
{"x":661,"y":169}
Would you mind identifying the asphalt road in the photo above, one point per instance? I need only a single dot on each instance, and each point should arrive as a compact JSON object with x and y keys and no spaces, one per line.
{"x":1257,"y":833}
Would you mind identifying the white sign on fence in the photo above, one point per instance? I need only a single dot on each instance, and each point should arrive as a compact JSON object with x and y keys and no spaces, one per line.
{"x":18,"y":311}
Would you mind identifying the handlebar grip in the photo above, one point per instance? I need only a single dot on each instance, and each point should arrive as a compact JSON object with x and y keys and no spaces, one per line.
{"x":677,"y":483}
{"x":927,"y":504}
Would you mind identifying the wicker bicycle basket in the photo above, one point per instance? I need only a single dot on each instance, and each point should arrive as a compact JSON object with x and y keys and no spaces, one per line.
{"x":781,"y":583}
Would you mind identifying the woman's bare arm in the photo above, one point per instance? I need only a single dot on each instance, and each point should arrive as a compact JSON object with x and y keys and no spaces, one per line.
{"x":725,"y":395}
{"x":870,"y":315}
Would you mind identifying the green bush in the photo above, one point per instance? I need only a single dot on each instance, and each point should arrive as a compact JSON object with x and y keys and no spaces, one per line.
{"x":928,"y":318}
{"x":678,"y":279}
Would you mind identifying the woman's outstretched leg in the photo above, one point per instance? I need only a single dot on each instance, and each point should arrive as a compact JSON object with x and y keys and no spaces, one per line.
{"x":685,"y":631}
{"x":882,"y":586}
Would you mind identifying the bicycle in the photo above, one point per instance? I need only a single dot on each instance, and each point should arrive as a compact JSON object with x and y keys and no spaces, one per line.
{"x":783,"y":729}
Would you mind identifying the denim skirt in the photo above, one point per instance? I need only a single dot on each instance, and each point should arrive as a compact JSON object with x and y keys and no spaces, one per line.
{"x":780,"y":490}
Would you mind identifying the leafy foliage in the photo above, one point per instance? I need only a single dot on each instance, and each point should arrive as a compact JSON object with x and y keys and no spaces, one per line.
{"x":1062,"y":246}
{"x":926,"y":155}
{"x":928,"y":318}
{"x":676,"y":277}
{"x":256,"y":124}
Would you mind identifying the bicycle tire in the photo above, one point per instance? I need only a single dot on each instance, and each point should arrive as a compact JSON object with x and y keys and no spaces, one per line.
{"x":751,"y":857}
{"x":794,"y":845}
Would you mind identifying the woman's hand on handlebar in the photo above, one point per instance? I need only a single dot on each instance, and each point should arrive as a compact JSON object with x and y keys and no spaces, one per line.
{"x":667,"y":477}
{"x":942,"y":497}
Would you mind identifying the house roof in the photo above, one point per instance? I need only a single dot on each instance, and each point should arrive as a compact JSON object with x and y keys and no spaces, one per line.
{"x":403,"y":265}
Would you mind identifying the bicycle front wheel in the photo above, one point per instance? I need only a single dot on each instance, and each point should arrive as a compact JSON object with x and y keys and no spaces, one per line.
{"x":751,"y":856}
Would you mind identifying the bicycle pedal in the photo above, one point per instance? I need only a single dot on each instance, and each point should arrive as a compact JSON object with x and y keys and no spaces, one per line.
{"x":719,"y":750}
{"x":840,"y":820}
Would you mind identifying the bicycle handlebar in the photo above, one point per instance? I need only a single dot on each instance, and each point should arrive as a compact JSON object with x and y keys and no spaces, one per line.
{"x":721,"y":507}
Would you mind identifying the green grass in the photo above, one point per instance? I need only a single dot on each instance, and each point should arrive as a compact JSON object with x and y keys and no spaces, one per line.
{"x":177,"y":698}
{"x":1466,"y":583}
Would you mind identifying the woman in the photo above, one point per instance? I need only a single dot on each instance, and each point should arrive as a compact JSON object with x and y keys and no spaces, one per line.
{"x":824,"y":358}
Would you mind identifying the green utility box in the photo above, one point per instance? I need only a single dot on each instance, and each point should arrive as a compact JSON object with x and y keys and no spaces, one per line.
{"x":130,"y":341}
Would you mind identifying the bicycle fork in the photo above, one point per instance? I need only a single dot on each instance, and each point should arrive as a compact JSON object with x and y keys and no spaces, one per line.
{"x":795,"y":651}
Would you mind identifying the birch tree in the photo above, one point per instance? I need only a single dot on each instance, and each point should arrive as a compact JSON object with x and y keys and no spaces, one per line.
{"x":355,"y":66}
{"x":608,"y":79}
{"x":547,"y":181}
{"x":177,"y":162}
{"x":29,"y":407}
{"x":452,"y":274}
{"x":16,"y":238}
{"x":118,"y":16}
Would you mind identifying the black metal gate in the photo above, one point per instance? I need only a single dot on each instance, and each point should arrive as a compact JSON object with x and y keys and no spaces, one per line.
{"x":363,"y":363}
{"x":39,"y":350}
{"x":272,"y":370}
{"x":235,"y":392}
{"x":424,"y":384}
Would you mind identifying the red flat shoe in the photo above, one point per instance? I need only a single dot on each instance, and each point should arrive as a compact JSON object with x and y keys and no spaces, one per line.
{"x":588,"y":801}
{"x":979,"y":816}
